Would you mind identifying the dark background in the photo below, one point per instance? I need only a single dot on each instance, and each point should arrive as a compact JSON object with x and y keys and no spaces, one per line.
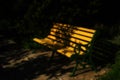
{"x":21,"y":20}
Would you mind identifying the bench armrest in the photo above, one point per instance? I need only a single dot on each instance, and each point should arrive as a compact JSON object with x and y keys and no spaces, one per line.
{"x":78,"y":48}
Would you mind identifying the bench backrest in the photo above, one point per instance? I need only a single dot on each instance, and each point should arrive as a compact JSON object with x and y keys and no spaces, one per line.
{"x":59,"y":33}
{"x":81,"y":35}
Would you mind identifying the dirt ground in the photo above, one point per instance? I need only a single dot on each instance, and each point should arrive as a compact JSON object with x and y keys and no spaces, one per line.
{"x":35,"y":65}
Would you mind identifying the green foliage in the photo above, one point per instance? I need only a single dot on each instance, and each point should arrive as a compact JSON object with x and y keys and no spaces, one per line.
{"x":114,"y":73}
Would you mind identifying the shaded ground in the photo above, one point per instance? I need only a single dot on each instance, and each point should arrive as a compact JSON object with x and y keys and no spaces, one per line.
{"x":18,"y":64}
{"x":21,"y":64}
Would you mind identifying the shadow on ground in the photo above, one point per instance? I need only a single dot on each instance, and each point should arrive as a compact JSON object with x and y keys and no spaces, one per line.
{"x":25,"y":65}
{"x":18,"y":64}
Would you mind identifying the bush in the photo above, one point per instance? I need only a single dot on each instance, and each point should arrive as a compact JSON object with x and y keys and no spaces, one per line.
{"x":114,"y":73}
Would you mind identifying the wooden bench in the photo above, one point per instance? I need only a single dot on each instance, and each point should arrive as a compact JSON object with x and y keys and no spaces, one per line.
{"x":68,"y":40}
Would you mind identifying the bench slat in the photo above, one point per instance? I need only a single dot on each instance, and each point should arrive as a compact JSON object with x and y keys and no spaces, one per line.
{"x":87,"y":34}
{"x":79,"y":37}
{"x":85,"y":29}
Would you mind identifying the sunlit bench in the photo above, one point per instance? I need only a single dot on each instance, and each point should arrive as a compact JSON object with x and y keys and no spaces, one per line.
{"x":69,"y":40}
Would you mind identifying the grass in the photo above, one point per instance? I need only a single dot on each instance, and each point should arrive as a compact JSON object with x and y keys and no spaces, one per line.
{"x":114,"y":73}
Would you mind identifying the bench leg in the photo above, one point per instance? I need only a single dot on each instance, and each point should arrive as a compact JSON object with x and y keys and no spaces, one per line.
{"x":53,"y":53}
{"x":92,"y":65}
{"x":75,"y":68}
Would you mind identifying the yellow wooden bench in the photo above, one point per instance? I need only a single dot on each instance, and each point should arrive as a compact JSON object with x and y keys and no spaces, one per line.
{"x":68,"y":40}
